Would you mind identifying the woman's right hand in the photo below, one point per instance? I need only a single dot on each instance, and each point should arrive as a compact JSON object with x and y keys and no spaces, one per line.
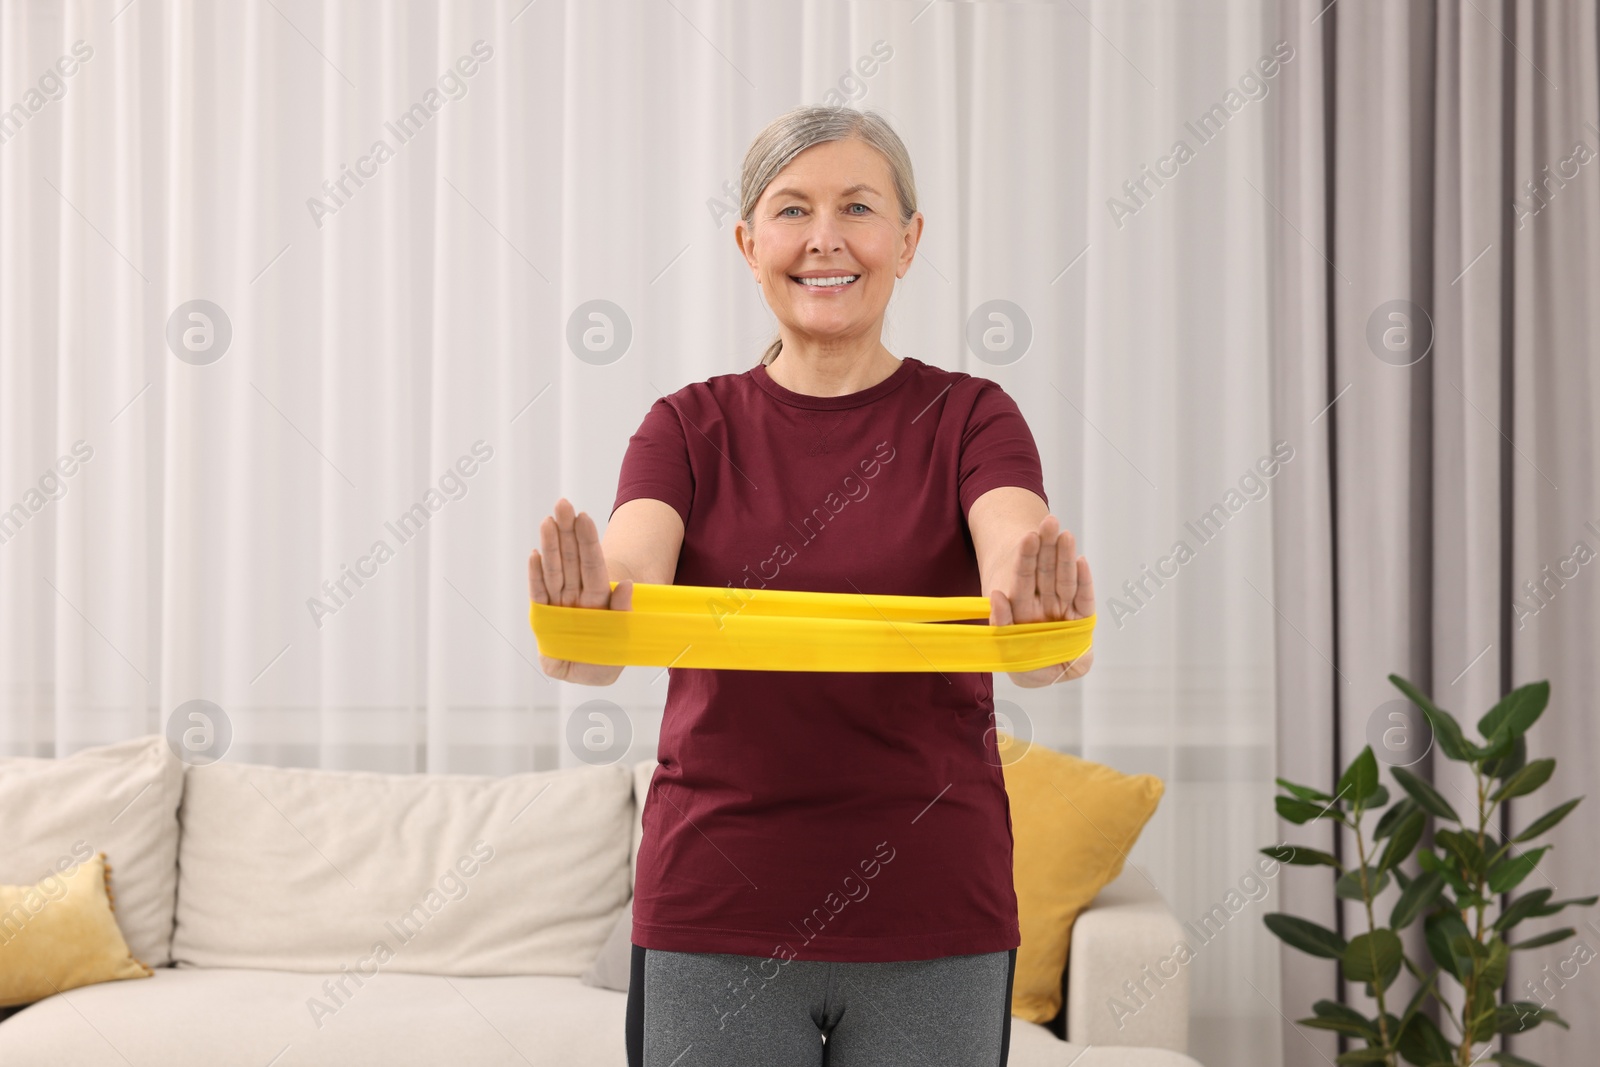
{"x":569,"y":570}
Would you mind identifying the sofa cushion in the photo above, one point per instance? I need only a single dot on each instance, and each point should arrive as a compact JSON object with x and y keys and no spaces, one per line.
{"x":613,"y":965}
{"x":200,"y":1017}
{"x":643,"y":771}
{"x":120,"y":799}
{"x":318,"y":870}
{"x":197,"y":1017}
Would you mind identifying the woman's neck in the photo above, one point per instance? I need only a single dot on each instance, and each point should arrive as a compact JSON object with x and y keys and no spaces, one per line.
{"x":835,"y":373}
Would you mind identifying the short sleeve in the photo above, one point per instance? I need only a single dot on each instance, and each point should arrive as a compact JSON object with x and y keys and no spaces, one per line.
{"x":997,"y":448}
{"x":656,"y":463}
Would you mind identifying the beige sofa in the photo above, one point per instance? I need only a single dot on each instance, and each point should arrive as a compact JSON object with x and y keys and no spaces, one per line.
{"x":302,"y":917}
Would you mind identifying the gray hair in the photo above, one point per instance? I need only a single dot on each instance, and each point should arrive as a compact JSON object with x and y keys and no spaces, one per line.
{"x":795,"y":131}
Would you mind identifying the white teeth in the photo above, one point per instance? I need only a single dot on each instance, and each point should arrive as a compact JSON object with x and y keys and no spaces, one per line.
{"x":840,"y":280}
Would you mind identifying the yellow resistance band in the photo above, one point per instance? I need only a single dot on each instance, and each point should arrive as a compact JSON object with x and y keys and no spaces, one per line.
{"x":783,"y":630}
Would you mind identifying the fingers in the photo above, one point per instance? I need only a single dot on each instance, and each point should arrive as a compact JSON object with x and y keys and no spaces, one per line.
{"x":551,"y":574}
{"x":622,"y":597}
{"x":571,"y":563}
{"x":536,"y":588}
{"x":1022,"y":590}
{"x":595,"y":589}
{"x":999,"y":609}
{"x":1083,"y":602}
{"x":559,"y":558}
{"x":1066,"y":576}
{"x":1050,"y":603}
{"x":569,"y":567}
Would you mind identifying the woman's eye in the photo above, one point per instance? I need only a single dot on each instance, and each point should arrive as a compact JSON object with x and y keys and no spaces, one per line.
{"x":782,"y":212}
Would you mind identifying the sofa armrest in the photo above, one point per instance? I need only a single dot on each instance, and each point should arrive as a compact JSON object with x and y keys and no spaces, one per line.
{"x":1125,"y":983}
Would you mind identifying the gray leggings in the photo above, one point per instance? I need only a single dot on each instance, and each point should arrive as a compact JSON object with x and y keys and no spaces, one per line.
{"x":702,"y":1009}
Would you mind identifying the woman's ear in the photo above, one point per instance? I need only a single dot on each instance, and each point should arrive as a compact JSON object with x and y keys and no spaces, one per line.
{"x":912,"y":237}
{"x":747,"y":248}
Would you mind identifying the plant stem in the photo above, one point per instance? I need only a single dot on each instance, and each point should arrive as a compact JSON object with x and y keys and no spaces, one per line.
{"x":1464,"y":1053}
{"x":1372,"y":926}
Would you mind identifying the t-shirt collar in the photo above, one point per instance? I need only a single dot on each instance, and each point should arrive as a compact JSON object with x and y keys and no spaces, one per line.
{"x":833,"y":403}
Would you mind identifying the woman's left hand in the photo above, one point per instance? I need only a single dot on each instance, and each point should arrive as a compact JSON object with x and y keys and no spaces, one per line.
{"x":1047,"y":581}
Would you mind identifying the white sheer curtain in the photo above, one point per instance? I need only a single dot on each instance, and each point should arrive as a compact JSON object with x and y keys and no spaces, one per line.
{"x":388,"y":331}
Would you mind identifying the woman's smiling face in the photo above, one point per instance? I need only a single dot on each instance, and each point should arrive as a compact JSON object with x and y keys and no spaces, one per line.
{"x":831,"y":213}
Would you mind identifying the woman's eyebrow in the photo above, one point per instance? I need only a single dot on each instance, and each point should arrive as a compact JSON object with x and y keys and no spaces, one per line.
{"x":859,"y":187}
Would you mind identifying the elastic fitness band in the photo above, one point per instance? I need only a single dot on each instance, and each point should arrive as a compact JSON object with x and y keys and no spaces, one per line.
{"x":783,"y":630}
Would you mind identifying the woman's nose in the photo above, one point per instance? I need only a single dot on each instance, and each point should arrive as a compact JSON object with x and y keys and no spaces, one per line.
{"x":824,"y":236}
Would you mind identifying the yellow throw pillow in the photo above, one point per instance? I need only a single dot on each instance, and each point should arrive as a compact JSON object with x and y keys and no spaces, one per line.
{"x":61,"y":934}
{"x":1073,"y":822}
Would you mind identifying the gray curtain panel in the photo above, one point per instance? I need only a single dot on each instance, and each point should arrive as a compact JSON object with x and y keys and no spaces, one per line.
{"x":1438,"y":249}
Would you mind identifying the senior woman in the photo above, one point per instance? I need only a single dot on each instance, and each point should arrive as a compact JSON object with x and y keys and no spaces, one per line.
{"x":825,"y":872}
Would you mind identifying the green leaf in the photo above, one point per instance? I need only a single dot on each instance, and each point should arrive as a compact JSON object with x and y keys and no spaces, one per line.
{"x":1301,"y":812}
{"x":1550,"y":1016}
{"x":1429,"y":860}
{"x":1304,"y":792}
{"x":1417,"y":898}
{"x":1463,"y":847}
{"x":1424,"y":794}
{"x":1338,"y":1026}
{"x":1360,"y":779}
{"x":1348,"y":886}
{"x":1468,"y":948}
{"x":1507,"y":757}
{"x":1524,"y":907}
{"x":1558,"y":905}
{"x":1547,"y":820}
{"x":1425,"y":989}
{"x":1392,"y":817}
{"x":1405,"y":838}
{"x":1508,"y":872}
{"x":1531,"y":777}
{"x":1483,"y":1019}
{"x":1492,"y":974}
{"x":1421,"y":1042}
{"x":1331,"y":1015}
{"x":1441,"y":930}
{"x":1507,"y":1059}
{"x":1370,"y":1054}
{"x":1300,"y":856}
{"x":1517,"y":711}
{"x":1305,"y":935}
{"x":1445,"y":728}
{"x":1549,"y":938}
{"x":1373,"y":957}
{"x":1526,"y":1014}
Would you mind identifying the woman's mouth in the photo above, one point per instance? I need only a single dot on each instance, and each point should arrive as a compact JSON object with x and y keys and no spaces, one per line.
{"x":836,"y":283}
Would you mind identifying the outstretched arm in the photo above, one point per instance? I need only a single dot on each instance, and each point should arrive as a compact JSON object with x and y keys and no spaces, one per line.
{"x":1031,"y":571}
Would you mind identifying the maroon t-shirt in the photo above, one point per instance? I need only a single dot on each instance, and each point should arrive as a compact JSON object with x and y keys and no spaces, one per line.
{"x":846,"y":816}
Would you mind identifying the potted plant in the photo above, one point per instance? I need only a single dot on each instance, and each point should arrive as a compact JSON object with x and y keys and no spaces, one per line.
{"x":1461,"y":871}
